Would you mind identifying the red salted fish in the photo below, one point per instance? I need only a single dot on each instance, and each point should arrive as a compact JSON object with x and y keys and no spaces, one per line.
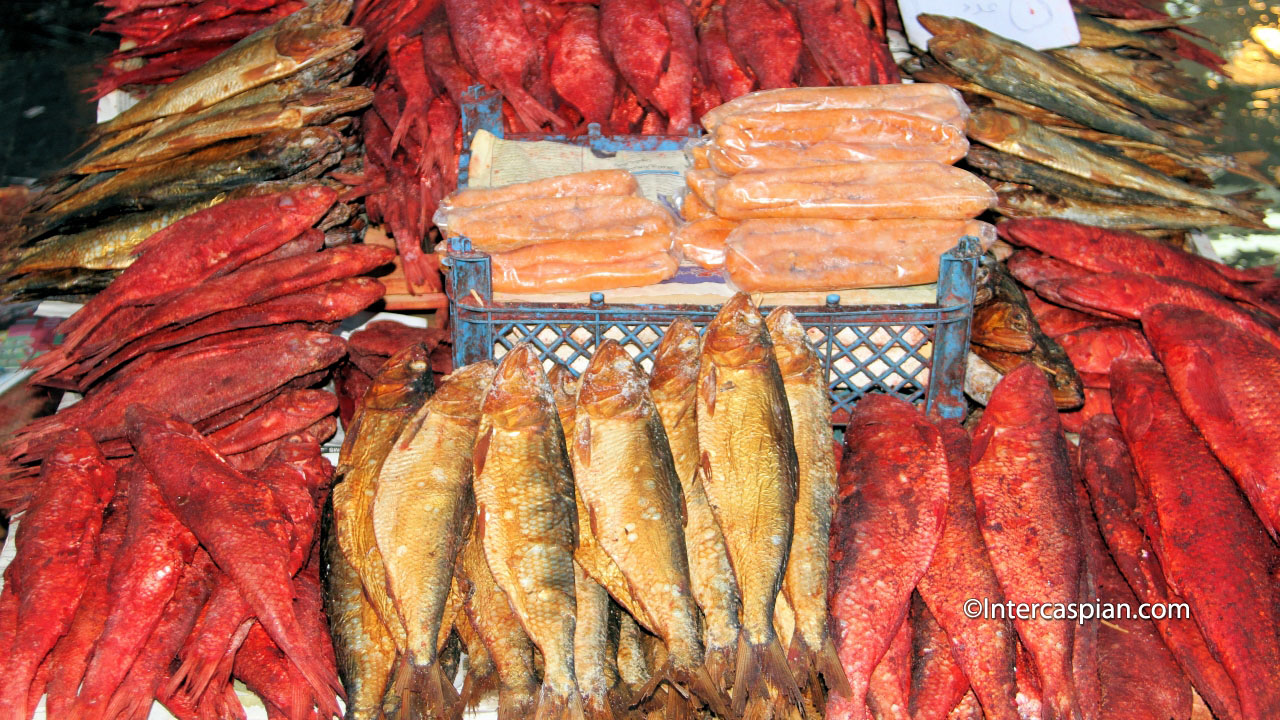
{"x":56,"y":544}
{"x":442,"y":60}
{"x":886,"y":533}
{"x":581,"y":73}
{"x":251,"y":286}
{"x":889,"y":690}
{"x":493,"y":43}
{"x":239,"y":522}
{"x":1057,"y":320}
{"x":1026,"y":508}
{"x":1129,"y":295}
{"x":309,"y":241}
{"x":1084,"y":651}
{"x":716,"y":62}
{"x":288,"y":413}
{"x":1225,"y":380}
{"x":937,"y":682}
{"x":202,"y":245}
{"x":331,"y":302}
{"x":984,"y":647}
{"x":134,"y":696}
{"x":143,"y":579}
{"x":1113,"y":490}
{"x":1097,"y":401}
{"x":765,"y":37}
{"x":653,"y":45}
{"x":1214,"y":551}
{"x":232,"y":371}
{"x":1093,"y":349}
{"x":842,"y":44}
{"x":68,"y":659}
{"x":1138,"y":676}
{"x":1108,"y":251}
{"x":1031,"y":268}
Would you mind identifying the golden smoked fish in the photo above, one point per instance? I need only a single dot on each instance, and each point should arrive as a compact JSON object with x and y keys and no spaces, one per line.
{"x":673,"y":384}
{"x":805,"y":380}
{"x":749,"y":469}
{"x":490,"y":613}
{"x":422,"y":510}
{"x":627,"y":479}
{"x":401,"y":387}
{"x":527,"y":520}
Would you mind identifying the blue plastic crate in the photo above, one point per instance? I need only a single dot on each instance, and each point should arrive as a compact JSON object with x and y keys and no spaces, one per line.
{"x":915,"y":351}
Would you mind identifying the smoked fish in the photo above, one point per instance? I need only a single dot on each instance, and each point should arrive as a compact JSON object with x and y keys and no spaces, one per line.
{"x":748,"y":460}
{"x":526,"y":518}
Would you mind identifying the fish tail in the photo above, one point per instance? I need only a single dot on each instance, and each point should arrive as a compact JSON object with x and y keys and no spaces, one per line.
{"x":557,"y":705}
{"x":440,"y":698}
{"x":531,"y":112}
{"x":476,"y":686}
{"x":763,"y":673}
{"x":515,"y":703}
{"x":720,"y":663}
{"x":827,"y":664}
{"x":595,"y":707}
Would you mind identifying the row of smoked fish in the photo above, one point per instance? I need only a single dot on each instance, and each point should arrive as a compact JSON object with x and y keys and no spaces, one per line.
{"x":1103,"y":133}
{"x":818,"y":189}
{"x":167,"y":542}
{"x":632,"y":66}
{"x":276,"y":107}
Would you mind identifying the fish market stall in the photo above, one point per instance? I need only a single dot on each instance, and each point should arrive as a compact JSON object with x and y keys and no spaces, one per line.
{"x":738,"y":378}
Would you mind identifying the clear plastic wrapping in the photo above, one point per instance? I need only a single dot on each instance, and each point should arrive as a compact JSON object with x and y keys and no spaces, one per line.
{"x":767,"y":140}
{"x":513,"y":224}
{"x":562,"y":276}
{"x":855,"y":191}
{"x":697,"y":151}
{"x":931,"y":100}
{"x":821,"y":255}
{"x":593,"y":182}
{"x":705,"y":184}
{"x":692,"y":208}
{"x":703,"y":242}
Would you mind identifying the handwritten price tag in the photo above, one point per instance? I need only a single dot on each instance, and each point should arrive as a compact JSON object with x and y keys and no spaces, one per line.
{"x":1042,"y":24}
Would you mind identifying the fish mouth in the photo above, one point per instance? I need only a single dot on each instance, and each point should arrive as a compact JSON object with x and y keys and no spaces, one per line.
{"x":613,"y":384}
{"x":520,"y":395}
{"x":738,"y":335}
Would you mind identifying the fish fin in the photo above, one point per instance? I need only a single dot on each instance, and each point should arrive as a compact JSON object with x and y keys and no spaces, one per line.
{"x":480,"y":451}
{"x":677,"y":707}
{"x":827,"y":664}
{"x":403,"y":682}
{"x":708,"y":390}
{"x":763,"y":673}
{"x":598,"y":708}
{"x":476,"y":686}
{"x":439,"y":698}
{"x":701,"y":684}
{"x":720,"y":663}
{"x":516,"y":704}
{"x":554,"y":706}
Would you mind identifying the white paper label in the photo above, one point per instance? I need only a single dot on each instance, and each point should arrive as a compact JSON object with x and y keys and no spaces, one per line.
{"x":1041,"y":24}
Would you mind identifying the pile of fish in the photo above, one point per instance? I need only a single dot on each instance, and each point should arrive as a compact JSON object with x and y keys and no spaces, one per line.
{"x":164,"y":576}
{"x":273,"y":107}
{"x":817,"y":189}
{"x":222,"y":323}
{"x":1098,"y":133}
{"x":656,"y":540}
{"x":646,"y":66}
{"x":369,"y":348}
{"x":162,"y":40}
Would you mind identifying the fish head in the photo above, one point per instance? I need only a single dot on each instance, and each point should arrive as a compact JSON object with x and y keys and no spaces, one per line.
{"x":944,"y":24}
{"x":144,"y":423}
{"x":462,"y":390}
{"x":314,"y":41}
{"x":564,"y":386}
{"x":989,"y":125}
{"x":1002,"y":322}
{"x":737,"y":337}
{"x":1135,"y":385}
{"x":964,"y":56}
{"x":406,"y":375}
{"x":613,"y":385}
{"x":520,"y":395}
{"x":791,"y":344}
{"x":675,"y":362}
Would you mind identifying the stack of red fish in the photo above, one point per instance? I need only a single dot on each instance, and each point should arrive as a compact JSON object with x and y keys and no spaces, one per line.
{"x":1029,"y":558}
{"x":162,"y":40}
{"x":223,"y":315}
{"x":632,"y":66}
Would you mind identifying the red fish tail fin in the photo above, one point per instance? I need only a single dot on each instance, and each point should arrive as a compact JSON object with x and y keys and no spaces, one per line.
{"x":532,"y":113}
{"x":763,"y":673}
{"x":556,"y":705}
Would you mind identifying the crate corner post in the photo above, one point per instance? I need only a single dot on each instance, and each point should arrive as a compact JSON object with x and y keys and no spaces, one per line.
{"x":957,"y":274}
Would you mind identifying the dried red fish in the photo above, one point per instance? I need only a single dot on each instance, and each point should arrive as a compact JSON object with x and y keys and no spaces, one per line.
{"x":1213,"y":549}
{"x":143,"y":579}
{"x":287,"y":413}
{"x":889,"y":690}
{"x":239,"y":522}
{"x":885,"y":533}
{"x":937,"y":682}
{"x":842,"y":44}
{"x":581,"y":73}
{"x":653,"y":44}
{"x":764,"y":36}
{"x":55,"y":558}
{"x":1026,"y":509}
